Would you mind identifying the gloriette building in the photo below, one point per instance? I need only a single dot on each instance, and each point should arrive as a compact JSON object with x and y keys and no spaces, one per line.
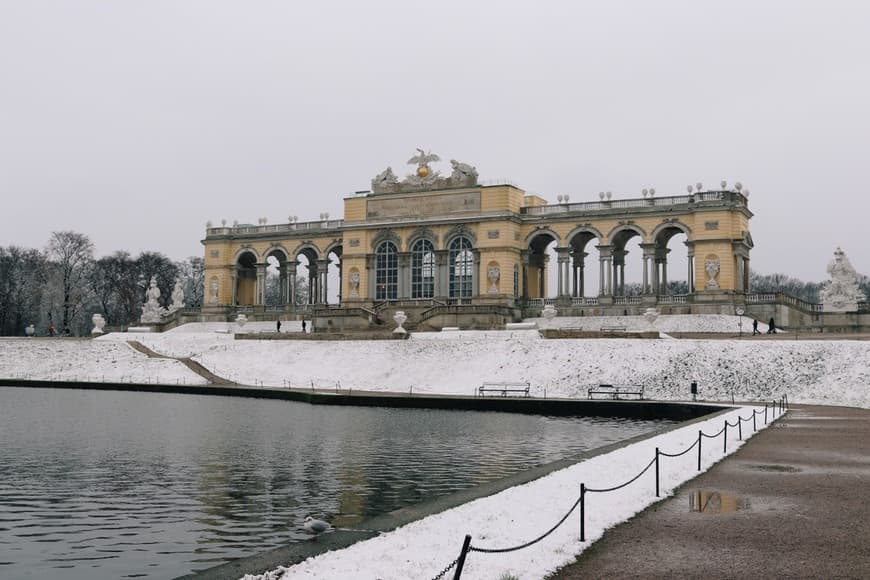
{"x":450,"y":250}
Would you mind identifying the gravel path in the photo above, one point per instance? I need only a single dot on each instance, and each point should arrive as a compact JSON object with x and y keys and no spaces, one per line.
{"x":792,"y":503}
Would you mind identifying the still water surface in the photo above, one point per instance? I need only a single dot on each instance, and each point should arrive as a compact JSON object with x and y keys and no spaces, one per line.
{"x":102,"y":484}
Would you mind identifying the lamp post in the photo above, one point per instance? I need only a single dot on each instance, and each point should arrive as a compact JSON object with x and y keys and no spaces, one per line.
{"x":740,"y":312}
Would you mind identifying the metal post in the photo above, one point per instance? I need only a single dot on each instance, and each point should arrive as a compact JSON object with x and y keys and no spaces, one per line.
{"x":740,"y":428}
{"x":754,"y":428}
{"x":461,"y":561}
{"x":765,"y":413}
{"x":657,"y":472}
{"x":699,"y":449}
{"x":582,"y":512}
{"x":725,"y":438}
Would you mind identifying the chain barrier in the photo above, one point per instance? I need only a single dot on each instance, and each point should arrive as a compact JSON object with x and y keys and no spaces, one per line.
{"x":446,"y":570}
{"x":581,"y":501}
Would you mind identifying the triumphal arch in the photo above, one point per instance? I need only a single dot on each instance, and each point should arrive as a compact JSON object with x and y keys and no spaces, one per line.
{"x":446,"y":243}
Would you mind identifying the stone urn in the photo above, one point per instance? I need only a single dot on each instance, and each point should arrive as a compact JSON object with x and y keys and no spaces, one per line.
{"x":99,"y":324}
{"x":400,"y":317}
{"x":30,"y":330}
{"x":241,"y":319}
{"x":549,"y":314}
{"x":651,"y":315}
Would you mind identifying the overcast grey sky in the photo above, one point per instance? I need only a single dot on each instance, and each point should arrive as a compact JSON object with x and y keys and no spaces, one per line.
{"x":135,"y":122}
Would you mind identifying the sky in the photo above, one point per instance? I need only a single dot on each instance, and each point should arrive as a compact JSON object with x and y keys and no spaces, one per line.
{"x":137,"y":122}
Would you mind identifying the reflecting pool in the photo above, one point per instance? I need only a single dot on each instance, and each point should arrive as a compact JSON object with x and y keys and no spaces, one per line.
{"x":103,"y":484}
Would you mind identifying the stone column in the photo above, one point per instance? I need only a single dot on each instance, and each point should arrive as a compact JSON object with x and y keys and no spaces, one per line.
{"x":605,"y":261}
{"x":475,"y":274}
{"x":260,"y":293}
{"x":322,"y":284}
{"x":291,"y":282}
{"x":235,"y":282}
{"x":563,"y":260}
{"x":404,"y":273}
{"x":442,"y":257}
{"x":524,"y":258}
{"x":746,"y":275}
{"x":370,"y":276}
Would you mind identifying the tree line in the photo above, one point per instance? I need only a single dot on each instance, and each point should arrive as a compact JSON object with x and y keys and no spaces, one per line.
{"x":63,"y":285}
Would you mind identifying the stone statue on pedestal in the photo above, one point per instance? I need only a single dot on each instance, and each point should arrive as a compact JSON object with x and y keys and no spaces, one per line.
{"x":177,"y":297}
{"x":152,"y":311}
{"x":841,"y":293}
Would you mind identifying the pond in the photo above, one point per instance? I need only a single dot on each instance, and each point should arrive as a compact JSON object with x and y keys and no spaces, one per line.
{"x":110,"y":484}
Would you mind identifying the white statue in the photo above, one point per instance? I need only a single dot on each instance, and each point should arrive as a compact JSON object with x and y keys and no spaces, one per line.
{"x":30,"y":330}
{"x":99,"y":324}
{"x":213,"y":291}
{"x":493,"y":274}
{"x":424,"y":174}
{"x":354,"y":284}
{"x":712,"y":268}
{"x":152,"y":311}
{"x":651,"y":315}
{"x":841,"y":293}
{"x":463,"y":173}
{"x":177,"y":297}
{"x":384,"y":180}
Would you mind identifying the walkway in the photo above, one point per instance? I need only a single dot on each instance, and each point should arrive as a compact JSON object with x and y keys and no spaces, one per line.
{"x":792,"y":503}
{"x":212,"y":378}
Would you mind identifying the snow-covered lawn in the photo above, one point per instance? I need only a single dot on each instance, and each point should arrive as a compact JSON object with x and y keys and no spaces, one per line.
{"x":60,"y":359}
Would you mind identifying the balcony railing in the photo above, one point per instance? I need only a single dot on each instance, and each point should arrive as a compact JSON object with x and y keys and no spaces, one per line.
{"x":730,"y":197}
{"x":274,"y":228}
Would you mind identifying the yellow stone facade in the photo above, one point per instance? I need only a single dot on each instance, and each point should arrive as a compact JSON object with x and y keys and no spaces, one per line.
{"x":489,"y":246}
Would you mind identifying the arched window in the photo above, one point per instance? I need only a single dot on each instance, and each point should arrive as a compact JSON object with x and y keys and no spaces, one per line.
{"x":422,"y":269}
{"x":461,"y":266}
{"x":386,"y":271}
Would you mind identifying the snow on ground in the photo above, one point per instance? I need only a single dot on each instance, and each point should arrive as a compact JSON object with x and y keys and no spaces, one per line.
{"x":672,"y":323}
{"x":522,"y":513}
{"x":61,"y":359}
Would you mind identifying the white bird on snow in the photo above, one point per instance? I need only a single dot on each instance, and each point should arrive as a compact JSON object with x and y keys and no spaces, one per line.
{"x":313,"y":526}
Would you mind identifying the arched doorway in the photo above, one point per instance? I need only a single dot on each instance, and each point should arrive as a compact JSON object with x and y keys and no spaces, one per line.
{"x":542,"y":249}
{"x":585,"y":279}
{"x":245,"y":287}
{"x":672,"y":273}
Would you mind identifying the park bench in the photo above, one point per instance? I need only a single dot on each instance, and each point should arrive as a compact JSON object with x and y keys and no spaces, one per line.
{"x":616,"y":392}
{"x":504,"y":389}
{"x":613,"y":328}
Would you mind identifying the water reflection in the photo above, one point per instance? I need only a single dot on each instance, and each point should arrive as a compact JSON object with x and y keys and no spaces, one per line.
{"x":113,"y":484}
{"x":715,"y":502}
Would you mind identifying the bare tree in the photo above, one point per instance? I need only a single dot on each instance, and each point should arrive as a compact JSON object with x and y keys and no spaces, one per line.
{"x":71,"y":255}
{"x":22,"y":281}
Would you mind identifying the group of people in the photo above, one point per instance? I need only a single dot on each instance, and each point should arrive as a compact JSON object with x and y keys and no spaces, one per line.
{"x":771,"y":327}
{"x":304,"y":326}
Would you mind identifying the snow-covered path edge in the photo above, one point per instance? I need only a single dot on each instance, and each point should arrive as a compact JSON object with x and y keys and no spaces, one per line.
{"x":516,"y":515}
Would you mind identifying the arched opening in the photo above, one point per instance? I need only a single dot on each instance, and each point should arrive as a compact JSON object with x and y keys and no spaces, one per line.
{"x":673,"y":272}
{"x":306,"y":277}
{"x":542,"y":250}
{"x":422,"y":269}
{"x":386,"y":271}
{"x":585,"y":257}
{"x":461,"y":272}
{"x":276,"y":292}
{"x":627,"y":274}
{"x":246,"y":280}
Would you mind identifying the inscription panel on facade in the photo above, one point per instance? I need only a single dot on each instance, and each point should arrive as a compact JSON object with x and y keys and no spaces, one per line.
{"x":424,"y":205}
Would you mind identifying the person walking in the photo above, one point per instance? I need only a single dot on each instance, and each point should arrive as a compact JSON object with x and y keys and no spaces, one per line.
{"x":771,"y":327}
{"x":755,"y":327}
{"x":279,"y":326}
{"x":303,"y":326}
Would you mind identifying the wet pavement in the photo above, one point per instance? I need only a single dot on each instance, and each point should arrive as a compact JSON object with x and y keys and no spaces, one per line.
{"x":794,"y":502}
